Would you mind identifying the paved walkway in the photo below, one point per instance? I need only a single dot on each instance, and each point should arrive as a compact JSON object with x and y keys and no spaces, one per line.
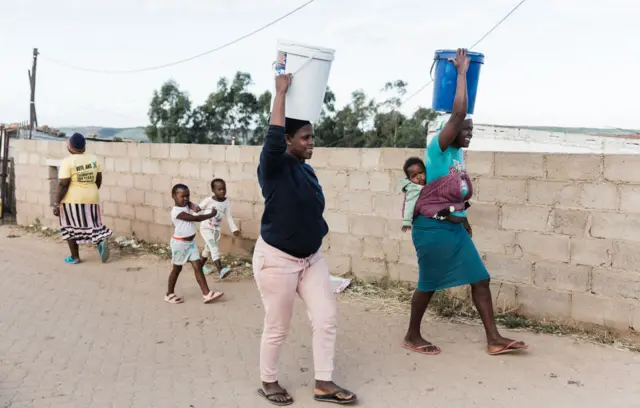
{"x":94,"y":336}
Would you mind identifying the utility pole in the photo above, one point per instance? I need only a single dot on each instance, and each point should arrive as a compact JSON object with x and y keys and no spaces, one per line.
{"x":32,"y":82}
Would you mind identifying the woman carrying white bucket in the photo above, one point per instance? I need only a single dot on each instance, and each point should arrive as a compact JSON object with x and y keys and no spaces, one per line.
{"x":287,"y":260}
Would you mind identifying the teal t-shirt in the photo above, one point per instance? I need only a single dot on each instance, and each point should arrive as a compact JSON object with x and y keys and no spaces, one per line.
{"x":441,"y":163}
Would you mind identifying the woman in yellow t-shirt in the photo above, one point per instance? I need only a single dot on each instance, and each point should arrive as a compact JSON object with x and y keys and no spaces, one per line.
{"x":78,"y":201}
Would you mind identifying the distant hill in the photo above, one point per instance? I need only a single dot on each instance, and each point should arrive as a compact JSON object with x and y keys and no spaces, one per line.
{"x":135,"y":133}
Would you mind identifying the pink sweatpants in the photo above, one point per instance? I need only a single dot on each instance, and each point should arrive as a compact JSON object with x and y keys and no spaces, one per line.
{"x":279,"y":277}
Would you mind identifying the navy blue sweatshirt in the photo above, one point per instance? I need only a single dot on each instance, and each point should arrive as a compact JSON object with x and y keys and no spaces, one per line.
{"x":294,"y":202}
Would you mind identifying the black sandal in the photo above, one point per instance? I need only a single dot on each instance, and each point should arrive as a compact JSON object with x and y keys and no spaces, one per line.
{"x":334,"y":399}
{"x":276,"y":394}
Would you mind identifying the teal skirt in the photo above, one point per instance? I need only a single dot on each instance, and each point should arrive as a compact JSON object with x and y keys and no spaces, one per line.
{"x":447,"y":256}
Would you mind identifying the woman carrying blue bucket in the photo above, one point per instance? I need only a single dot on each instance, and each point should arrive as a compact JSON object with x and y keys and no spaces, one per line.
{"x":447,"y":257}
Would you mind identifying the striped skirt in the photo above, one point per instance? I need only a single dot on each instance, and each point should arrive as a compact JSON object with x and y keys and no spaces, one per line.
{"x":82,"y":223}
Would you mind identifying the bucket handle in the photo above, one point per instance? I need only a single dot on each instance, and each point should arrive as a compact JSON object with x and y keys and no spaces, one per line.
{"x":311,"y":58}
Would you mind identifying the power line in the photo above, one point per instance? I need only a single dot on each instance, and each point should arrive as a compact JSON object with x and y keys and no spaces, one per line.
{"x":169,"y":64}
{"x":422,"y":88}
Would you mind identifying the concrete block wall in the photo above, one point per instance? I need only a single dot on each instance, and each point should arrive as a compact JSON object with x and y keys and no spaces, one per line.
{"x":560,"y":234}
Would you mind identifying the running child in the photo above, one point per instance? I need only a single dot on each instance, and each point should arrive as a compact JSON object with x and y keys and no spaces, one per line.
{"x":183,"y":246}
{"x":416,"y":173}
{"x":210,"y":229}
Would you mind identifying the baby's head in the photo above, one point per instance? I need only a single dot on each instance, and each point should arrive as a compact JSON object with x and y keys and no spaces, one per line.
{"x":415,"y":170}
{"x":180,"y":194}
{"x":219,"y":189}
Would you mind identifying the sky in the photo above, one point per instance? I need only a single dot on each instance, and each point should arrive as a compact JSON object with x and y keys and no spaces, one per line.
{"x":552,"y":63}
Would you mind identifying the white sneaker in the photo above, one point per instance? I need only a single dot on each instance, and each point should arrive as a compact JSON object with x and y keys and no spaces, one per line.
{"x":206,"y":270}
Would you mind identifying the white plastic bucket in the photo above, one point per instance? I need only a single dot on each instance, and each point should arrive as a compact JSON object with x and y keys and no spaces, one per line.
{"x":310,"y":67}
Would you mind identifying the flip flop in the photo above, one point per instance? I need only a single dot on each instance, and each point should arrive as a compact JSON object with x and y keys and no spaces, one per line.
{"x":224,"y":272}
{"x":509,"y":348}
{"x":69,"y":260}
{"x":423,"y":349}
{"x":276,"y":394}
{"x":211,"y":296}
{"x":103,"y":250}
{"x":206,"y":270}
{"x":334,"y":399}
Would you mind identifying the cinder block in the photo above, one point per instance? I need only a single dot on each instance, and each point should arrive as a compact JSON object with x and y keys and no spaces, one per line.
{"x":358,"y":180}
{"x":574,"y":167}
{"x":602,"y":196}
{"x":242,"y":210}
{"x":484,"y":215}
{"x":630,"y":199}
{"x":372,"y":248}
{"x":615,"y":226}
{"x":122,"y":226}
{"x":250,"y":229}
{"x":140,"y":230}
{"x":371,"y":159}
{"x":616,"y":283}
{"x":345,"y":158}
{"x":562,"y":276}
{"x":391,"y":249}
{"x":232,"y":154}
{"x":509,"y":164}
{"x":554,"y":192}
{"x":159,"y":233}
{"x":626,"y":255}
{"x":502,"y":190}
{"x":134,"y":197}
{"x":109,"y":164}
{"x":189,"y":169}
{"x":119,"y":194}
{"x":160,"y":184}
{"x":144,"y":214}
{"x":494,"y":240}
{"x":620,"y":168}
{"x":139,"y":150}
{"x":591,"y":252}
{"x":110,"y":209}
{"x":168,"y":168}
{"x":221,"y":170}
{"x":393,"y":159}
{"x":199,"y":152}
{"x":369,"y":270}
{"x":479,"y":163}
{"x":126,"y":212}
{"x":331,"y":179}
{"x":504,"y":296}
{"x":119,"y":149}
{"x":509,"y":269}
{"x":179,"y":151}
{"x":403,"y":272}
{"x":368,"y":226}
{"x":525,"y":217}
{"x":125,"y":180}
{"x":355,"y":202}
{"x":159,"y":150}
{"x":122,"y":164}
{"x":338,"y":222}
{"x":151,"y":166}
{"x":143,"y":181}
{"x":592,"y":309}
{"x":550,"y":247}
{"x":388,"y":205}
{"x":258,"y":210}
{"x":250,"y":155}
{"x":105,"y":193}
{"x":162,"y":216}
{"x":570,"y":222}
{"x":379,"y":181}
{"x":544,"y":303}
{"x":217,"y":153}
{"x":407,"y":253}
{"x":206,"y":170}
{"x":320,"y":159}
{"x":345,"y":244}
{"x":339,"y":265}
{"x":154,"y":199}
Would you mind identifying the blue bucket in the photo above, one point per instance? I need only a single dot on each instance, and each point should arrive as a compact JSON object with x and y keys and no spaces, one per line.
{"x":446,"y":79}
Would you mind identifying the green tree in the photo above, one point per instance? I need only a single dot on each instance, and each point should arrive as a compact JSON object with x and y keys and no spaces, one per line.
{"x":170,"y":115}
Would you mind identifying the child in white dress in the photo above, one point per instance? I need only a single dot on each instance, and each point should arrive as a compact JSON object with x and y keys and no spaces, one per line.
{"x":210,"y":229}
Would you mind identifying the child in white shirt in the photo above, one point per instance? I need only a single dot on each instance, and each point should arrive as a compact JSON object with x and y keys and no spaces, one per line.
{"x":183,"y":246}
{"x":210,"y":229}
